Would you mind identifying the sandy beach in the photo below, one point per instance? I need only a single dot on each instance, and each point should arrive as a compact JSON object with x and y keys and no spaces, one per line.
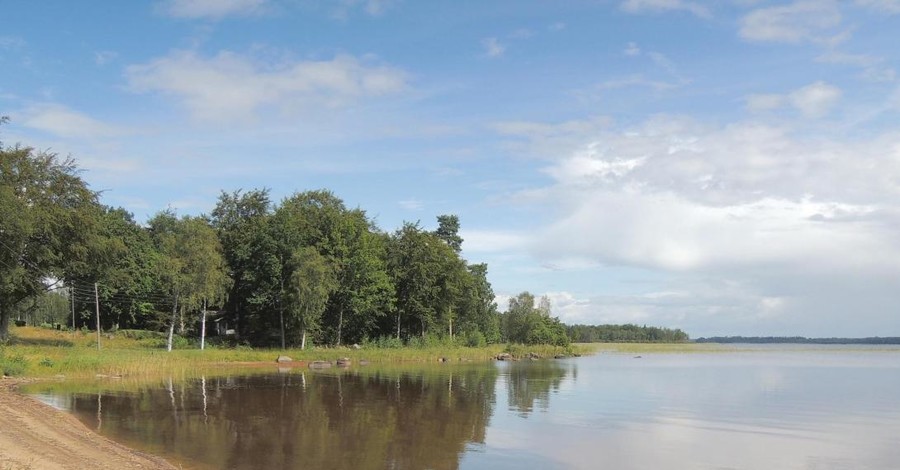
{"x":36,"y":436}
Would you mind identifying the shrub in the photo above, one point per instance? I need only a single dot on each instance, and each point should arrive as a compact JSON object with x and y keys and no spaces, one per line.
{"x":12,"y":365}
{"x":475,"y":339}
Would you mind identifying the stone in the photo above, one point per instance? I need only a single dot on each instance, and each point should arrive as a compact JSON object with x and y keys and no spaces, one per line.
{"x":283,"y":359}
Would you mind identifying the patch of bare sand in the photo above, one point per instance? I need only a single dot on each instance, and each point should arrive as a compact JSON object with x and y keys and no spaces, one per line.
{"x":37,"y":436}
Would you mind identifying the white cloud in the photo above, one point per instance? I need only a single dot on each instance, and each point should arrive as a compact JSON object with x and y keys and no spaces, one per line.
{"x":64,"y":122}
{"x":758,"y":228}
{"x":657,"y":6}
{"x":797,"y":22}
{"x":492,"y":47}
{"x":214,"y":9}
{"x":233,"y":86}
{"x":886,"y":6}
{"x":873,"y":68}
{"x":486,"y":241}
{"x":813,"y":101}
{"x":816,"y":99}
{"x":412,"y":204}
{"x":677,"y":195}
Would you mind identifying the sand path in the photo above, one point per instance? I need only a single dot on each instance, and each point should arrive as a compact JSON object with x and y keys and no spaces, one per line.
{"x":36,"y":436}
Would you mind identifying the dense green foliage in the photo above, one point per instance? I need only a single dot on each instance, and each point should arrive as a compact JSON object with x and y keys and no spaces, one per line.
{"x":624,"y":334}
{"x":526,"y":323}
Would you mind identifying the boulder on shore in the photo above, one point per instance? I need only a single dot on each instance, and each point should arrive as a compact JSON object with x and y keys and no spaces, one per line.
{"x":281,"y":359}
{"x":504,"y":357}
{"x":319,"y":365}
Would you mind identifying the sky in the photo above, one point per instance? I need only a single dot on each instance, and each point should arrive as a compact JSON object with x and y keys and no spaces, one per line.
{"x":725,"y":167}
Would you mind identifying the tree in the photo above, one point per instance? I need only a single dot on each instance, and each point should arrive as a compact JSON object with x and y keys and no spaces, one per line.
{"x":312,"y":281}
{"x":448,"y":231}
{"x":48,"y":224}
{"x":191,"y":265}
{"x":207,"y":278}
{"x":350,"y":243}
{"x":480,"y":315}
{"x":242,"y":221}
{"x":526,"y":324}
{"x":427,"y":278}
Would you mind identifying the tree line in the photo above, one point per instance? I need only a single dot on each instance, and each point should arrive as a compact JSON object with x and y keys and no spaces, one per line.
{"x":798,"y":340}
{"x":307,"y":269}
{"x":625,"y":334}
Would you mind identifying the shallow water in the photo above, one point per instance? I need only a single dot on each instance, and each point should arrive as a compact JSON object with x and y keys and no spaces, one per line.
{"x":803,"y":408}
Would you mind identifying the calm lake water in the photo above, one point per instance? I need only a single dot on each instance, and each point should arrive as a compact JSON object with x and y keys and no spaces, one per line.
{"x":761,"y":408}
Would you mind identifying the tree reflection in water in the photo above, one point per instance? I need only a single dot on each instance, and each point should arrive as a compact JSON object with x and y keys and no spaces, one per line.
{"x":531,"y":383}
{"x":335,"y":419}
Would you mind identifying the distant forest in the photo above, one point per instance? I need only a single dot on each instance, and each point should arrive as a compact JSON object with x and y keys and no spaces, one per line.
{"x":797,"y":340}
{"x":624,"y":334}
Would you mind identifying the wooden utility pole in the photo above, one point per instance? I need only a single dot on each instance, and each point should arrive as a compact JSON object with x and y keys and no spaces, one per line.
{"x":72,"y":294}
{"x":97,"y":304}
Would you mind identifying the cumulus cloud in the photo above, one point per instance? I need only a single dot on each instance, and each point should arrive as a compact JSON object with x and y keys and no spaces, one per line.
{"x":800,"y":21}
{"x":213,"y":9}
{"x":233,"y":86}
{"x":797,"y":223}
{"x":657,"y":6}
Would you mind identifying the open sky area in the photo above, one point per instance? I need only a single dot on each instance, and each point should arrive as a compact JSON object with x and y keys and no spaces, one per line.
{"x":726,"y":167}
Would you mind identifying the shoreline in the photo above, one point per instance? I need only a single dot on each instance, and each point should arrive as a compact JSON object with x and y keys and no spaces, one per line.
{"x":34,"y":435}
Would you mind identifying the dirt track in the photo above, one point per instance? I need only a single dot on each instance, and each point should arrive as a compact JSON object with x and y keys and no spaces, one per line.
{"x":36,"y":436}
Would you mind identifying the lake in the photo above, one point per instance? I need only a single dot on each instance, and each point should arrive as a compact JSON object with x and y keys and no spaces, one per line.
{"x":761,"y":407}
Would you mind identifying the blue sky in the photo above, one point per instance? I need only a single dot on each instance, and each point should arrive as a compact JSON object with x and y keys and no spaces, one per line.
{"x":725,"y":167}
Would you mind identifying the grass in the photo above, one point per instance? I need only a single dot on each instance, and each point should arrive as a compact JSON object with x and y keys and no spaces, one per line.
{"x":42,"y":352}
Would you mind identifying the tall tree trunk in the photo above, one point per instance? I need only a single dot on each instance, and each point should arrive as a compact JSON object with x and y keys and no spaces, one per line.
{"x":97,"y":305}
{"x":4,"y":324}
{"x":172,"y":324}
{"x":281,"y":309}
{"x":450,"y":317}
{"x":303,"y":327}
{"x":203,"y":327}
{"x":398,"y":324}
{"x":340,"y":324}
{"x":181,"y":321}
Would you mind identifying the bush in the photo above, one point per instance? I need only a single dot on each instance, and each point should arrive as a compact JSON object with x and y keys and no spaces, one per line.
{"x":475,"y":339}
{"x":12,"y":365}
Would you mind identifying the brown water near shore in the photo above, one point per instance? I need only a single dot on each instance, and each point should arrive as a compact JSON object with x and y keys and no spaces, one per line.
{"x":36,"y":436}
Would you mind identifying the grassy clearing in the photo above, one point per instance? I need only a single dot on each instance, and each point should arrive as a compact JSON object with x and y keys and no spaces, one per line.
{"x":39,"y":352}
